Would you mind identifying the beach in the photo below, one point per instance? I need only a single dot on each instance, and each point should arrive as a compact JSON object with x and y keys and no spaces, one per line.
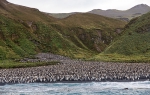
{"x":69,"y":70}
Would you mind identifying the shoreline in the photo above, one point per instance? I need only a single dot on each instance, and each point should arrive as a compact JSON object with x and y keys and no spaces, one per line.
{"x":141,"y":80}
{"x":76,"y":71}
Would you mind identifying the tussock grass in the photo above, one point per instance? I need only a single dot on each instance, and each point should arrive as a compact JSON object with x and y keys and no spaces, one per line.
{"x":121,"y":58}
{"x":133,"y":45}
{"x":6,"y":64}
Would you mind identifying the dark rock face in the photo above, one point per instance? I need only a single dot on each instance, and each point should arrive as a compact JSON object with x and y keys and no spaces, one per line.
{"x":76,"y":71}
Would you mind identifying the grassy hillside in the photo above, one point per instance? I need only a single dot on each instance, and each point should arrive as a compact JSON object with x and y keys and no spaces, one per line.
{"x":26,"y":31}
{"x":18,"y":40}
{"x":133,"y":45}
{"x":89,"y":31}
{"x":22,"y":13}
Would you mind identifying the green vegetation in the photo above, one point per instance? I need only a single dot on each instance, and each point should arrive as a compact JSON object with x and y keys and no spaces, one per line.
{"x":14,"y":39}
{"x":89,"y":31}
{"x":27,"y":31}
{"x":6,"y":64}
{"x":121,"y":58}
{"x":133,"y":45}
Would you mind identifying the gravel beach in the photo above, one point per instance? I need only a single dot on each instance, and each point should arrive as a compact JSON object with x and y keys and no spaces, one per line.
{"x":75,"y":71}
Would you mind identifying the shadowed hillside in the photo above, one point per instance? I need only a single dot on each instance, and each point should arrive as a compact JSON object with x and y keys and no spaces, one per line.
{"x":133,"y":45}
{"x":26,"y":31}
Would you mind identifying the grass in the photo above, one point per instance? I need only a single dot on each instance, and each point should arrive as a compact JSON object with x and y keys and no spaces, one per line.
{"x":135,"y":44}
{"x":121,"y":58}
{"x":134,"y":41}
{"x":132,"y":46}
{"x":6,"y":64}
{"x":56,"y":42}
{"x":26,"y":31}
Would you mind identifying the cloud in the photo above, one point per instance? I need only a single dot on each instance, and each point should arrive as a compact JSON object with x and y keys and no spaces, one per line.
{"x":72,"y":5}
{"x":63,"y":6}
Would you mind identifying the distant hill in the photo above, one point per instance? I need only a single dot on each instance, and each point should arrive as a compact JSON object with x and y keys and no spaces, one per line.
{"x":135,"y":11}
{"x":125,"y":15}
{"x":133,"y":45}
{"x":26,"y":31}
{"x":61,"y":15}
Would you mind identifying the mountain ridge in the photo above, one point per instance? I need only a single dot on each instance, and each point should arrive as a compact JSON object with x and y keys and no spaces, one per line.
{"x":135,"y":11}
{"x":126,"y":15}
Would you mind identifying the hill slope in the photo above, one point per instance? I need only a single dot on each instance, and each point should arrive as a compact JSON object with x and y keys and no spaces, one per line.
{"x":26,"y":31}
{"x":133,"y":45}
{"x":89,"y":31}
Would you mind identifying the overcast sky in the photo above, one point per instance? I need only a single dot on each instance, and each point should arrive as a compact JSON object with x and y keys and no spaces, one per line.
{"x":65,"y":6}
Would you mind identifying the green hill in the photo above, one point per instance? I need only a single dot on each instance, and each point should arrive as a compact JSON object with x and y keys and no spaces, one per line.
{"x":89,"y":31}
{"x":133,"y":45}
{"x":26,"y":31}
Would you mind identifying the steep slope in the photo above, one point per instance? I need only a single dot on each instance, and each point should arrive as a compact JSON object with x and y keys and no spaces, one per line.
{"x":90,"y":31}
{"x":21,"y":12}
{"x":26,"y":31}
{"x":133,"y":45}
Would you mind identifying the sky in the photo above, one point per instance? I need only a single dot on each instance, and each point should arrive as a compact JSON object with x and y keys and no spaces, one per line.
{"x":66,"y":6}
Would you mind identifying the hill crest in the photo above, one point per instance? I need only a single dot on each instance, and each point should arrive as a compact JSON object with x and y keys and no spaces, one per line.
{"x":126,"y":15}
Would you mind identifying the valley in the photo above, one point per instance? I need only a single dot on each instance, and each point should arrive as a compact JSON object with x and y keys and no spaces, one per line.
{"x":25,"y":32}
{"x":96,"y":46}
